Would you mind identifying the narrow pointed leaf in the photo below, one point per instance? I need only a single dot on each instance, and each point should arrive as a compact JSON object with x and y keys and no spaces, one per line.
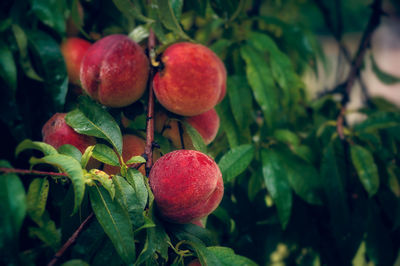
{"x":8,"y":69}
{"x":130,"y":10}
{"x":70,"y":150}
{"x":104,"y":179}
{"x":366,"y":168}
{"x":277,"y":184}
{"x":35,"y":145}
{"x":169,"y":19}
{"x":12,"y":208}
{"x":136,"y":159}
{"x":260,"y":79}
{"x":72,"y":168}
{"x":235,"y":161}
{"x":91,"y":119}
{"x":383,"y":76}
{"x":115,"y":221}
{"x":227,"y":257}
{"x":196,"y":138}
{"x":105,"y":154}
{"x":36,"y":198}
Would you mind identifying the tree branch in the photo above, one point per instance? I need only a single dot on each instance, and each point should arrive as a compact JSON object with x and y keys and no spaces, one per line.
{"x":70,"y":241}
{"x":150,"y":107}
{"x":29,"y":172}
{"x":365,"y":42}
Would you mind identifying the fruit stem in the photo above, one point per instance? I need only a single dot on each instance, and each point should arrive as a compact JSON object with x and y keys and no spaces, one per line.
{"x":150,"y":106}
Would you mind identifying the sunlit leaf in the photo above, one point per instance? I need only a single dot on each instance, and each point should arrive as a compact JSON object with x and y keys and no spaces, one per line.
{"x":35,"y":145}
{"x":72,"y":168}
{"x":168,"y":18}
{"x":91,"y":119}
{"x":105,"y":154}
{"x":36,"y":198}
{"x":70,"y":150}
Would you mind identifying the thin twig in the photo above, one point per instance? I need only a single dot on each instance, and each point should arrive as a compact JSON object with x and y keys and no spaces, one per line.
{"x":29,"y":172}
{"x":70,"y":241}
{"x":150,"y":107}
{"x":373,"y":23}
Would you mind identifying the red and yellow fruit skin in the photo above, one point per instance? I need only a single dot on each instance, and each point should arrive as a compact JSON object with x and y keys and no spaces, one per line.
{"x":207,"y":124}
{"x":187,"y":185}
{"x":115,"y":71}
{"x":191,"y":80}
{"x":73,"y":51}
{"x":57,"y":132}
{"x":132,"y":146}
{"x":224,"y":77}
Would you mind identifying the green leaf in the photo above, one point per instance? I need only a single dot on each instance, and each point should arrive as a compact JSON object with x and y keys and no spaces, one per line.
{"x":139,"y":33}
{"x":36,"y":198}
{"x":302,"y":176}
{"x":132,"y":200}
{"x":86,"y":156}
{"x":47,"y":232}
{"x":366,"y":168}
{"x":382,"y":75}
{"x":75,"y":262}
{"x":137,"y":181}
{"x":136,"y":159}
{"x":205,"y":256}
{"x":91,"y":119}
{"x":227,"y":257}
{"x":240,"y":99}
{"x":105,"y":154}
{"x":115,"y":221}
{"x":70,"y":150}
{"x":8,"y":69}
{"x":260,"y":79}
{"x":51,"y":13}
{"x":168,"y":18}
{"x":277,"y":184}
{"x":235,"y":161}
{"x":51,"y":64}
{"x":228,"y":123}
{"x":177,"y":6}
{"x":130,"y":10}
{"x":12,"y":208}
{"x":24,"y":60}
{"x":104,"y":179}
{"x":287,"y":136}
{"x":197,"y":140}
{"x":35,"y":145}
{"x":334,"y":188}
{"x":379,"y":120}
{"x":156,"y":241}
{"x":72,"y":168}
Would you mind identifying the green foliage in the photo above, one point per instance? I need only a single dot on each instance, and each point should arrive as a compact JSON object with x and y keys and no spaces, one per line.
{"x":295,"y":191}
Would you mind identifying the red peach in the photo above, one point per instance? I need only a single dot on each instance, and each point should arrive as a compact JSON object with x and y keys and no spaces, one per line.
{"x":115,"y":71}
{"x":73,"y":51}
{"x":187,"y":185}
{"x":57,"y":132}
{"x":207,"y":124}
{"x":131,"y":146}
{"x":224,"y":75}
{"x":191,"y":80}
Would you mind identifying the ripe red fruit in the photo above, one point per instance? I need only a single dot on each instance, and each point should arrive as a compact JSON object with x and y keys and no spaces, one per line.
{"x":132,"y":146}
{"x":187,"y":185}
{"x":57,"y":132}
{"x":114,"y":71}
{"x":73,"y":51}
{"x":191,"y":81}
{"x":207,"y":124}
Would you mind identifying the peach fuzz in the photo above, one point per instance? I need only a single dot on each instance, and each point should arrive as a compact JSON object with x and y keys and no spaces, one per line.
{"x":73,"y":51}
{"x":191,"y":80}
{"x":207,"y":124}
{"x":187,"y":185}
{"x":131,"y":146}
{"x":57,"y":132}
{"x":115,"y":71}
